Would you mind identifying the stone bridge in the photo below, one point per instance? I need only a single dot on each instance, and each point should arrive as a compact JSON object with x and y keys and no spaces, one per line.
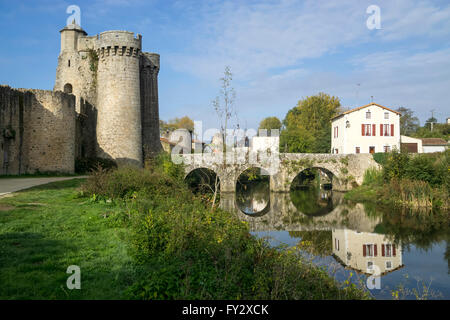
{"x":345,"y":171}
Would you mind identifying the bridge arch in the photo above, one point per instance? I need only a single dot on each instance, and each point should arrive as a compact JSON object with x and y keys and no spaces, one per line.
{"x":329,"y":174}
{"x":253,"y":199}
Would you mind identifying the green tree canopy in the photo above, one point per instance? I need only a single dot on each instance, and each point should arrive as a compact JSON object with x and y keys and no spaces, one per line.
{"x":408,"y":122}
{"x":308,"y":125}
{"x":177,"y":123}
{"x":270,"y":123}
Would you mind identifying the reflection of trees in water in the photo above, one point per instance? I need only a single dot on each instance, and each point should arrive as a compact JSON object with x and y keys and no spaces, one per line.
{"x":313,"y":201}
{"x":317,"y":242}
{"x":421,"y":228}
{"x":252,"y":197}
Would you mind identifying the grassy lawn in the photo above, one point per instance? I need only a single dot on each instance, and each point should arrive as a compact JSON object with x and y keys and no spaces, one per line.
{"x":45,"y":229}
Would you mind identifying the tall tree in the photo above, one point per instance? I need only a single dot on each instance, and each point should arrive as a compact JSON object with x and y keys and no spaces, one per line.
{"x":223,"y":104}
{"x":177,"y":123}
{"x":308,"y":125}
{"x":270,"y":123}
{"x":408,"y":122}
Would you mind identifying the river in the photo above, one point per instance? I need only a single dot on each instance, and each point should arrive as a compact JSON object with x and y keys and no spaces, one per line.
{"x":409,"y":250}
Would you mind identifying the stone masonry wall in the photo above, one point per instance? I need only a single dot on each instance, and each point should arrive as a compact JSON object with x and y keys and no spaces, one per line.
{"x":37,"y":131}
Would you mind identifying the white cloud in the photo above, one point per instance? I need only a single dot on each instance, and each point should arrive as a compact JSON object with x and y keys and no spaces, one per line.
{"x":269,"y":45}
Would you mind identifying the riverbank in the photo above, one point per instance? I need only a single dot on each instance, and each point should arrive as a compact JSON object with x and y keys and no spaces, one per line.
{"x":143,"y":235}
{"x":419,"y":181}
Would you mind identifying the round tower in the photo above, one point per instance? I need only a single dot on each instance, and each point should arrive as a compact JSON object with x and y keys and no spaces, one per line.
{"x":119,"y":134}
{"x":67,"y":73}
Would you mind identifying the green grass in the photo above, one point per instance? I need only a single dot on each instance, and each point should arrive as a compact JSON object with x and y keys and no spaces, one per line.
{"x":48,"y":228}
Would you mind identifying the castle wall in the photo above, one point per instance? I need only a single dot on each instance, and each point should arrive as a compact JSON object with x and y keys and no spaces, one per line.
{"x":119,"y":133}
{"x":37,"y":130}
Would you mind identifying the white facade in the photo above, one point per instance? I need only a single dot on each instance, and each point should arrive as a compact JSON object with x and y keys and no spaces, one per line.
{"x":367,"y":129}
{"x":431,"y":149}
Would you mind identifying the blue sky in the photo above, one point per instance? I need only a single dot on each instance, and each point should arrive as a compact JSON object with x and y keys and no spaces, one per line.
{"x":278,"y":51}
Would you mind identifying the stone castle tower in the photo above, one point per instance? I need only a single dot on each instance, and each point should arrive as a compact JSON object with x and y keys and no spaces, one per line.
{"x":116,"y":90}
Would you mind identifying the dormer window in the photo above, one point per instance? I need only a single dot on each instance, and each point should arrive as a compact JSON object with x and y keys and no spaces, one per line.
{"x":386,"y":115}
{"x":368,"y":114}
{"x":347,"y":124}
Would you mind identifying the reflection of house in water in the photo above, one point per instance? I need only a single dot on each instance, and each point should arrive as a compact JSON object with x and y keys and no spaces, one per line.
{"x":361,"y":250}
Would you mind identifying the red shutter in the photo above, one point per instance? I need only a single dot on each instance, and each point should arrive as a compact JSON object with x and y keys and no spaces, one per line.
{"x":392,"y":130}
{"x":375,"y":250}
{"x":362,"y":129}
{"x":374,"y":130}
{"x":337,"y":132}
{"x":393,"y":250}
{"x":381,"y":130}
{"x":382,"y":250}
{"x":364,"y":250}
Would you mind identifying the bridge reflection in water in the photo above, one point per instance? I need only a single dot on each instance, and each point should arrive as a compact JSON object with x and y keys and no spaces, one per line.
{"x":350,"y":238}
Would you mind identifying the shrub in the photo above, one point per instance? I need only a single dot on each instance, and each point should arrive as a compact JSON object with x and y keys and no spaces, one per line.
{"x":86,"y":165}
{"x":124,"y":182}
{"x":380,"y":157}
{"x":395,"y":165}
{"x":421,"y":167}
{"x":373,"y":176}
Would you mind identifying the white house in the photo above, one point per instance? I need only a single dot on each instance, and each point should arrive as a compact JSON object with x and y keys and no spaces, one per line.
{"x":367,"y":129}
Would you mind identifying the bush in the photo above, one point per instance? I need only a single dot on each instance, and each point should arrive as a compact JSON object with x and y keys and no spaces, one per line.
{"x":125,"y":182}
{"x":395,"y":165}
{"x":86,"y":165}
{"x":422,"y":168}
{"x":380,"y":157}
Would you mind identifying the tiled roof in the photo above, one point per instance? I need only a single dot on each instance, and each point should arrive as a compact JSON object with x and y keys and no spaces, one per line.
{"x":365,"y":106}
{"x":433,"y":142}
